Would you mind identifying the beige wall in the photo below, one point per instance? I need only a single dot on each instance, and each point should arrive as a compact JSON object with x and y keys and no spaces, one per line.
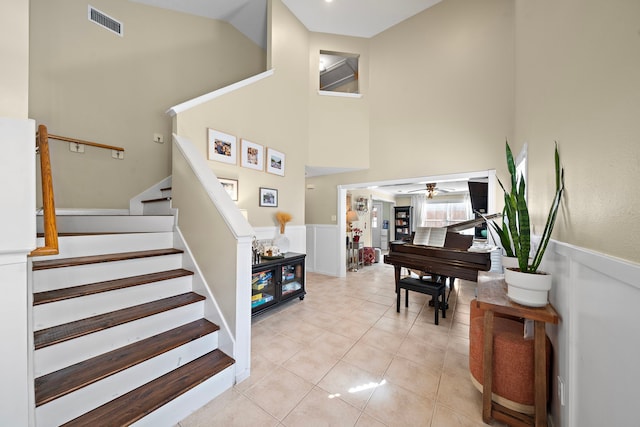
{"x":441,"y":96}
{"x":14,"y":45}
{"x":272,"y":113}
{"x":88,"y":83}
{"x":201,"y":224}
{"x":468,"y":76}
{"x":578,"y":83}
{"x":338,"y":126}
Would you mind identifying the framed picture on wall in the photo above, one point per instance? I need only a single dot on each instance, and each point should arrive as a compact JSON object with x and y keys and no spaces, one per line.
{"x":231,"y":187}
{"x":275,"y":162}
{"x":268,"y":197}
{"x":252,"y":155}
{"x":222,"y":147}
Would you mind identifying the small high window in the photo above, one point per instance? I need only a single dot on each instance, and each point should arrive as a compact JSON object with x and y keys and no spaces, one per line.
{"x":338,"y":71}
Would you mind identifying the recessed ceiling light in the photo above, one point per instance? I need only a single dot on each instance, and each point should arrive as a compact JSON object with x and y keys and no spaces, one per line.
{"x":328,"y":1}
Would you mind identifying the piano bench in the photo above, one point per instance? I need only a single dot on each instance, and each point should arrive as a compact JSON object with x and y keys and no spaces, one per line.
{"x":435,"y":289}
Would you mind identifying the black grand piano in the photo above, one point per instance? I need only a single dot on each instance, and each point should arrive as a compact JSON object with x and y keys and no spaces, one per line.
{"x":454,"y":260}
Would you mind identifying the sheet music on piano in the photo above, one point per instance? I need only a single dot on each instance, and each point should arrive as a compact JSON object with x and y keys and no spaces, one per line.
{"x":430,"y":236}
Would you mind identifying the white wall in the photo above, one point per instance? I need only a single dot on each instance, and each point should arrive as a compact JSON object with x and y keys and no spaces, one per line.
{"x":321,"y":241}
{"x":595,"y":344}
{"x":18,"y":231}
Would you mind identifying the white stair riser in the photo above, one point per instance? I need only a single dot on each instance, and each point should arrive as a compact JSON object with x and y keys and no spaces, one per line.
{"x":157,"y":208}
{"x":110,"y":223}
{"x":58,"y":278}
{"x":87,"y":245}
{"x":87,"y":398}
{"x":187,"y":403}
{"x":58,"y":356}
{"x":57,"y":313}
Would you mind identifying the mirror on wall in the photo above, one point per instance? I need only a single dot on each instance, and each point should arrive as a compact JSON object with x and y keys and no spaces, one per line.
{"x":338,"y":71}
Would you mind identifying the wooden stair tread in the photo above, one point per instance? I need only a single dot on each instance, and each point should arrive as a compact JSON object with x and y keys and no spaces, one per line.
{"x":133,"y":406}
{"x":62,"y":382}
{"x":94,"y":259}
{"x":159,"y":199}
{"x":109,"y":285}
{"x":78,"y":328}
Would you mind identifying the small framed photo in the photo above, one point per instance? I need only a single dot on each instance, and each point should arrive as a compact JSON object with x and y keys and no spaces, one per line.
{"x":252,"y":155}
{"x":268,"y":197}
{"x":275,"y":162}
{"x":231,"y":187}
{"x":222,"y":147}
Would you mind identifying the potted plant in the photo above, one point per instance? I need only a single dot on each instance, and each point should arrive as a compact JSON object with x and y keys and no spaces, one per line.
{"x":526,"y":284}
{"x":356,"y":234}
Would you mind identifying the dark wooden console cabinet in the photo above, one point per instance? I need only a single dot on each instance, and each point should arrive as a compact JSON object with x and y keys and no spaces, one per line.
{"x":277,"y":280}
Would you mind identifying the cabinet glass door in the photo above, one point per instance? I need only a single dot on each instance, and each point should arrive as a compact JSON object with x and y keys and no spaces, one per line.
{"x":292,"y":278}
{"x":263,"y":288}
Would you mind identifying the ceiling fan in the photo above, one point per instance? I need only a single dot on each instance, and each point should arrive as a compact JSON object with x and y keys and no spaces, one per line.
{"x":432,"y":190}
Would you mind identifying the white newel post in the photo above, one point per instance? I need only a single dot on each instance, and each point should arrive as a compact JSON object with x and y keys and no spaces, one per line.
{"x":18,"y":231}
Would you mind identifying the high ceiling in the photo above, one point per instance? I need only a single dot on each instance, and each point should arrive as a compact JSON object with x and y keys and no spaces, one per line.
{"x":357,"y":18}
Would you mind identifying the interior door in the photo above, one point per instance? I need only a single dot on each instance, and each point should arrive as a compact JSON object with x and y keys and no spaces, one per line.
{"x":376,"y":223}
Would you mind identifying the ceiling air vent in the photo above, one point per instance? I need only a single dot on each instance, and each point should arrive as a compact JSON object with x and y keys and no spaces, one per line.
{"x":105,"y":21}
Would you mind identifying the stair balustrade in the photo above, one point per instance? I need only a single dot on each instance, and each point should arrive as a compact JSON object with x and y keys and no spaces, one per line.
{"x":49,"y":209}
{"x":48,"y":206}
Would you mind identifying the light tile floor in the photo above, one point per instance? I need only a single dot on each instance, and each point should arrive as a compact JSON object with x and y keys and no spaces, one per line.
{"x":344,"y":357}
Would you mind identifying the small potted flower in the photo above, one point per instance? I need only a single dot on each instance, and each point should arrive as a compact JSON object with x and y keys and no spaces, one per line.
{"x":357,"y":232}
{"x":281,"y":240}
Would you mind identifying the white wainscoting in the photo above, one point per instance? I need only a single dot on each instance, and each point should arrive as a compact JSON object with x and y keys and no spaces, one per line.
{"x":325,"y":254}
{"x":296,"y":234}
{"x":596,"y":345}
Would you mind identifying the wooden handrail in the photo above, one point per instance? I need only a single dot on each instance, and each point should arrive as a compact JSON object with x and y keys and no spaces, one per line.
{"x":49,"y":209}
{"x":80,"y":141}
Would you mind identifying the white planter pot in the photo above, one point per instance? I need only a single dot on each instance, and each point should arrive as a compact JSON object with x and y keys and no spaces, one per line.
{"x":530,"y":289}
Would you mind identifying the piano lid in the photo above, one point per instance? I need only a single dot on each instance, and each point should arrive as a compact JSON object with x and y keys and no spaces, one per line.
{"x":471,"y":223}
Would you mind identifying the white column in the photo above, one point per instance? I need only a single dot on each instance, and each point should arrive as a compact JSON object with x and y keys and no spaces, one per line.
{"x":18,"y":231}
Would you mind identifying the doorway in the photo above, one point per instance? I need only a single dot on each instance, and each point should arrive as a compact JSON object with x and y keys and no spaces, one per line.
{"x":342,"y":205}
{"x":376,"y":224}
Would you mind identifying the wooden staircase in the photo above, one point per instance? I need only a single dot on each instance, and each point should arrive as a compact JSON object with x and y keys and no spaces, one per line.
{"x":159,"y":205}
{"x":119,"y":335}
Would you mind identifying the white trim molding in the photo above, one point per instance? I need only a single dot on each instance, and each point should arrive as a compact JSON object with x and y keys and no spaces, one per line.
{"x":187,"y":105}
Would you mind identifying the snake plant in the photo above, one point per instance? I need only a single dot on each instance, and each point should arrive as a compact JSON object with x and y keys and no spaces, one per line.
{"x":502,"y":232}
{"x":515,"y":233}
